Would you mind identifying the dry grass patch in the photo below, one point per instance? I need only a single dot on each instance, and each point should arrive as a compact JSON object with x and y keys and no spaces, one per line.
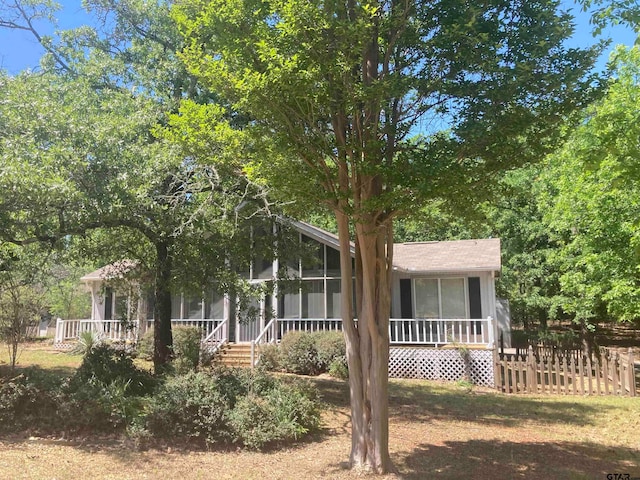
{"x":438,"y":431}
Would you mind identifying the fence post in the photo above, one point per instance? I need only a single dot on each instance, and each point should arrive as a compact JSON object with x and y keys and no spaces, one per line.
{"x":496,"y":370}
{"x":632,"y":374}
{"x":531,"y":372}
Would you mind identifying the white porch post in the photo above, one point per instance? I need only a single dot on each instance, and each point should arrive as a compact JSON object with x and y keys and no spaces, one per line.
{"x":274,"y":300}
{"x":492,"y":331}
{"x":226,"y":315}
{"x":59,"y":330}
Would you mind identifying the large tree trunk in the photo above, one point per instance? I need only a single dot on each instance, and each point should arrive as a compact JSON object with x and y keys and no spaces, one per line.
{"x":367,"y":342}
{"x":162,"y":337}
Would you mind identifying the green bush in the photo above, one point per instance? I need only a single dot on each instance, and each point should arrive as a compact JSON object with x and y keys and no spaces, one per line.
{"x":298,"y":354}
{"x":186,"y":348}
{"x":270,"y":357}
{"x":190,"y":406}
{"x":105,"y":365}
{"x":28,"y":400}
{"x":144,"y":348}
{"x":286,"y":412}
{"x":311,"y":353}
{"x":339,"y":368}
{"x":330,"y":347}
{"x":248,"y":407}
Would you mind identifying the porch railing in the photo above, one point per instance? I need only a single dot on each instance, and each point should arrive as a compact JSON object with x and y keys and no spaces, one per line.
{"x":115,"y":330}
{"x":70,"y":330}
{"x":434,"y":332}
{"x":217,"y":338}
{"x":439,"y":332}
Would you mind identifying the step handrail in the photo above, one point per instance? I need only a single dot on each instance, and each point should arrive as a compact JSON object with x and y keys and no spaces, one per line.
{"x":261,"y":339}
{"x":212,"y":337}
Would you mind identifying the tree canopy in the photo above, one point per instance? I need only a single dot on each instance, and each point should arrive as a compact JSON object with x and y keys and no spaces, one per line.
{"x":370,"y":108}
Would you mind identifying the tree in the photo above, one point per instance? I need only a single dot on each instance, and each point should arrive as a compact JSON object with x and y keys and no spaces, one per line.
{"x":22,"y":296}
{"x":335,"y":90}
{"x":90,"y":130}
{"x":592,"y":203}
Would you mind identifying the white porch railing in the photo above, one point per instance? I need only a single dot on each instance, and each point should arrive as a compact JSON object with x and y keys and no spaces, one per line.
{"x":217,"y":338}
{"x":439,"y":332}
{"x":402,"y":331}
{"x":70,"y":330}
{"x":269,"y":334}
{"x":115,"y":330}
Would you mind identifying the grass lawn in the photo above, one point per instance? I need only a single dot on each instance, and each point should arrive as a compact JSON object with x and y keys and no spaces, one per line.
{"x":438,"y":431}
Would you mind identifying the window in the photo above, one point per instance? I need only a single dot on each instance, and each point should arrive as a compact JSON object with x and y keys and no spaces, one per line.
{"x":440,"y":298}
{"x":453,"y":298}
{"x":313,"y":299}
{"x":176,"y":306}
{"x":333,"y":299}
{"x":214,"y":305}
{"x":333,"y":262}
{"x":193,"y":307}
{"x":290,"y":305}
{"x":313,"y":263}
{"x":122,"y":308}
{"x":426,"y":295}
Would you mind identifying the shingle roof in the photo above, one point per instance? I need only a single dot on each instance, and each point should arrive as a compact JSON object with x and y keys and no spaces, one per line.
{"x":114,"y":270}
{"x":458,"y":255}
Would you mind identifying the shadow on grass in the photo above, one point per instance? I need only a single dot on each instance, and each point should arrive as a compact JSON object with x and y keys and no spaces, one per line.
{"x":418,"y":401}
{"x":494,"y":459}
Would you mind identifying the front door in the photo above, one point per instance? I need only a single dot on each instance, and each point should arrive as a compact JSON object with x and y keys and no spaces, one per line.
{"x":249,"y":323}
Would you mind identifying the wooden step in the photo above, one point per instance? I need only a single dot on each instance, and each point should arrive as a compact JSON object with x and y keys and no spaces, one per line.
{"x":234,"y":355}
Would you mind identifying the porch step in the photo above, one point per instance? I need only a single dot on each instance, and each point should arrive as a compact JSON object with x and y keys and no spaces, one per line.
{"x":234,"y":355}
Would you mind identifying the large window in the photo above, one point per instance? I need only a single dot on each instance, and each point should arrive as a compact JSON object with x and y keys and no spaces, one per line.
{"x":313,"y":299}
{"x":319,"y":295}
{"x":440,"y":298}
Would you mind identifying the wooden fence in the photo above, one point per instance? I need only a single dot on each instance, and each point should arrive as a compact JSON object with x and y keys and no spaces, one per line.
{"x":566,"y":372}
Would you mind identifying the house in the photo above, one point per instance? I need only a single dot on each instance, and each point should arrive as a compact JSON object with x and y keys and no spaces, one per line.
{"x":443,"y":295}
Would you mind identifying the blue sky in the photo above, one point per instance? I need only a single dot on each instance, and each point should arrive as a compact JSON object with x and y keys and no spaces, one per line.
{"x":19,"y":50}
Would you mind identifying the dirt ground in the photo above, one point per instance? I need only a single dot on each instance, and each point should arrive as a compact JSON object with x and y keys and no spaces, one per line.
{"x":436,"y":431}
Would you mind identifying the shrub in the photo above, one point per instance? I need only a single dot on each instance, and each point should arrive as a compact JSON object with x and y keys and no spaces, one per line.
{"x":244,"y":406}
{"x":339,"y":368}
{"x":100,"y":406}
{"x":105,"y":365}
{"x":190,"y":406}
{"x":298,"y":354}
{"x":87,"y":341}
{"x":29,"y":400}
{"x":330,"y":347}
{"x":144,"y":349}
{"x":270,"y":357}
{"x":186,"y":348}
{"x":286,"y":412}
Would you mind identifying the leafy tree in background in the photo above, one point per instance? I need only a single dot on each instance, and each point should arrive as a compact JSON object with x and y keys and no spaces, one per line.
{"x":592,"y":206}
{"x":336,"y":90}
{"x":22,"y":295}
{"x":86,"y":153}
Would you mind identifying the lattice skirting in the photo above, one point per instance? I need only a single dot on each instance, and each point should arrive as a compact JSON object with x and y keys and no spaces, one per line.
{"x":442,"y":364}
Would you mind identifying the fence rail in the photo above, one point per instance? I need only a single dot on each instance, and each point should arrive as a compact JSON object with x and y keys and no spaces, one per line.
{"x":566,"y":372}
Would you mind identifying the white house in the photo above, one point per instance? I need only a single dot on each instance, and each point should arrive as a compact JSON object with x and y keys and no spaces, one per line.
{"x":443,"y":294}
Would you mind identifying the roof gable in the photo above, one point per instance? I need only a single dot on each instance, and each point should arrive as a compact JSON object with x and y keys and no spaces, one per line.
{"x":446,"y":256}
